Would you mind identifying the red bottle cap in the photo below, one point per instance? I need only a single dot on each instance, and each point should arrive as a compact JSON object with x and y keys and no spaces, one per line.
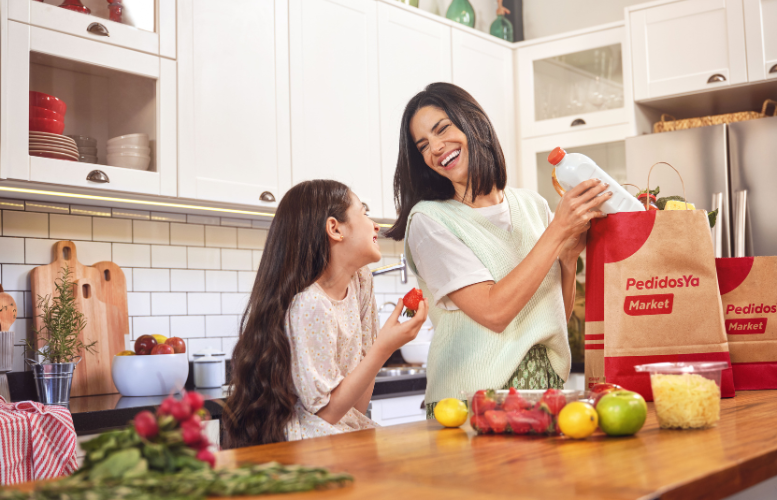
{"x":556,"y":156}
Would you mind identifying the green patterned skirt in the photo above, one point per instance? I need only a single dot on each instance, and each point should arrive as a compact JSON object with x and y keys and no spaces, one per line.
{"x":534,"y":372}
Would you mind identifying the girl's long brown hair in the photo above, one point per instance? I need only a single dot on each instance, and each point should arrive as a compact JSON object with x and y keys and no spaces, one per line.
{"x":296,"y":253}
{"x":414,"y":181}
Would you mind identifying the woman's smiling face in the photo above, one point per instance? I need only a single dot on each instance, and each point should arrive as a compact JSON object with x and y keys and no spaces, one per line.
{"x":441,"y":143}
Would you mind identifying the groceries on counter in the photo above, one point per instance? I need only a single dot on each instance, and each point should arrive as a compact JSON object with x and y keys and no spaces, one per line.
{"x":518,"y":412}
{"x":573,"y":168}
{"x":670,"y":203}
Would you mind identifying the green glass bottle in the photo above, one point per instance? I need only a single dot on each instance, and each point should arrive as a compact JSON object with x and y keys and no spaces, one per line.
{"x":502,"y":28}
{"x":462,"y":12}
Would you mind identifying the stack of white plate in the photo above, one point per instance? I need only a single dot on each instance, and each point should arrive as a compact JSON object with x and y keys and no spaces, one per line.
{"x":87,"y":148}
{"x":129,"y":151}
{"x":55,"y":146}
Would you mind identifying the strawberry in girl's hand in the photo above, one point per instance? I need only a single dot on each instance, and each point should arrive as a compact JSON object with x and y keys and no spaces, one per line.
{"x":411,"y":301}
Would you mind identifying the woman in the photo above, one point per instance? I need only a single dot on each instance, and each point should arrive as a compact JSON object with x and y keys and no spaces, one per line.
{"x":309,"y":349}
{"x":499,"y":270}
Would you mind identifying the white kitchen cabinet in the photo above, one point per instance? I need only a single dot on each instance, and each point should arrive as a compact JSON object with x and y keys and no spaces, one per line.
{"x":573,"y":81}
{"x":147,"y":25}
{"x":109,"y":91}
{"x":685,"y":46}
{"x":233,"y":96}
{"x":484,"y":68}
{"x":335,"y":124}
{"x":398,"y":410}
{"x":413,"y":51}
{"x":761,"y":39}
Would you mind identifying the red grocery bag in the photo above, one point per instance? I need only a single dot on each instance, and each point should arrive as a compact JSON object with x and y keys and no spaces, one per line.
{"x":748,"y":289}
{"x":652,"y":296}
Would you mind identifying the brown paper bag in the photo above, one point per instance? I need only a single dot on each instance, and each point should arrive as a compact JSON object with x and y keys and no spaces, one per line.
{"x":748,"y":289}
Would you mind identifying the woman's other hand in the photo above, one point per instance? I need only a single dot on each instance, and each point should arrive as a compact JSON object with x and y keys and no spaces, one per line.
{"x":576,"y":209}
{"x":394,"y":334}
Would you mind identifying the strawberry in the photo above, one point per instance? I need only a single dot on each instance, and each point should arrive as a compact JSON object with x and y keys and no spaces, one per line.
{"x":540,"y":421}
{"x":555,"y":400}
{"x":514,"y":401}
{"x":483,"y":401}
{"x":519,"y":422}
{"x":497,"y":420}
{"x":479,"y":423}
{"x":411,"y":301}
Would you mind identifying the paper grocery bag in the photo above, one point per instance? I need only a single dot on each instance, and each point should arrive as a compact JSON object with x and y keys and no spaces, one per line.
{"x":594,"y":303}
{"x":748,"y":289}
{"x":658,"y":293}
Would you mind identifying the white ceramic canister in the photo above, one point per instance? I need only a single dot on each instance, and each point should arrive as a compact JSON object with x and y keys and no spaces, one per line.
{"x":209,"y":368}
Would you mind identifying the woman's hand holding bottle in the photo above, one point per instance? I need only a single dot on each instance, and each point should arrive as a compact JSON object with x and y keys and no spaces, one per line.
{"x":394,"y":334}
{"x":575,"y":211}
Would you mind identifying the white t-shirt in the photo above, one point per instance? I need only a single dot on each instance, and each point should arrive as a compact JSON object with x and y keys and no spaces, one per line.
{"x":443,"y":261}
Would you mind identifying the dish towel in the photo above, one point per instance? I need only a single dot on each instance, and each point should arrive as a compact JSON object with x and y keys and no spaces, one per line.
{"x":36,"y":442}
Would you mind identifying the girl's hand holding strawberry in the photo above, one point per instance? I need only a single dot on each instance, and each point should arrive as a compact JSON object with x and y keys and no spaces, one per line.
{"x":394,"y":334}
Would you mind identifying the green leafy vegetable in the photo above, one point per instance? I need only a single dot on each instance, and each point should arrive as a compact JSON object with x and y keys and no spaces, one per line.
{"x":712,"y":216}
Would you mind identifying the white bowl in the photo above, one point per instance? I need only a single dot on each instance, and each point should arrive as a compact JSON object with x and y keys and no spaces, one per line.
{"x":130,"y":151}
{"x":416,"y":352}
{"x":129,"y":139}
{"x":129,"y":161}
{"x":157,"y":375}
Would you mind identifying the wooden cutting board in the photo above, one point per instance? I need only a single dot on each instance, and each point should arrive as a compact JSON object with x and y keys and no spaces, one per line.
{"x":101,"y":294}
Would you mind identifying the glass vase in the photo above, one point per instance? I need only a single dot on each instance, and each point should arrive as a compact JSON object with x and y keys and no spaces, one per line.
{"x":461,"y":11}
{"x":502,"y":28}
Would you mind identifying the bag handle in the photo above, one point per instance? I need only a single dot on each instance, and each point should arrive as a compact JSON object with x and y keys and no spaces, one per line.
{"x":663,"y":119}
{"x":766,"y":105}
{"x":647,"y":198}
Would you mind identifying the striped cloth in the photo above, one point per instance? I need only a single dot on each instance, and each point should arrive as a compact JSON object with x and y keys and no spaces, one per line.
{"x":36,"y":442}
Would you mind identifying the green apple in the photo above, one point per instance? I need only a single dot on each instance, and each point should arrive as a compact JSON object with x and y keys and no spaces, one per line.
{"x":621,"y":413}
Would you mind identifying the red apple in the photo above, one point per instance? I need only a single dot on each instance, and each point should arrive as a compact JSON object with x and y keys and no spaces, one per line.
{"x":177,"y":343}
{"x":162,"y":349}
{"x":144,"y":344}
{"x":599,"y":390}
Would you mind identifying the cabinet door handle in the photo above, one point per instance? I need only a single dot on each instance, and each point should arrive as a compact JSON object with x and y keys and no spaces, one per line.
{"x":773,"y":69}
{"x":267,"y":196}
{"x":717,"y":77}
{"x":98,"y":29}
{"x":98,"y":176}
{"x":576,"y":122}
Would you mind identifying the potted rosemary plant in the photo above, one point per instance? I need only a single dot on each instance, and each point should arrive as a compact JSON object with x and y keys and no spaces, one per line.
{"x":57,"y":345}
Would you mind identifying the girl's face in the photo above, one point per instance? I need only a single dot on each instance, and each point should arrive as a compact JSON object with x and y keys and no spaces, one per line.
{"x":360,"y":234}
{"x":441,"y":143}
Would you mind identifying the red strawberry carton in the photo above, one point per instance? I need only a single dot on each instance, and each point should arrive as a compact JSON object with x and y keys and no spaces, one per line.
{"x":518,"y":411}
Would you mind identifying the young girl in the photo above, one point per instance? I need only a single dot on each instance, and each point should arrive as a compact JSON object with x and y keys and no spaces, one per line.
{"x":309,"y":348}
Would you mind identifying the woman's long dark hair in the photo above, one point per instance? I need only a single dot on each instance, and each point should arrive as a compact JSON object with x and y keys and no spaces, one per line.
{"x":295,"y":255}
{"x":414,"y":181}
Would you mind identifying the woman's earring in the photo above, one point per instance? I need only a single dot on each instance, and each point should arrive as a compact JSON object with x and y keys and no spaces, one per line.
{"x":342,"y":237}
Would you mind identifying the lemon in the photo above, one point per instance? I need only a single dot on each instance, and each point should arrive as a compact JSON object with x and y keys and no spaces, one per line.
{"x":160,"y":339}
{"x":578,"y":420}
{"x":126,"y":353}
{"x":451,"y":412}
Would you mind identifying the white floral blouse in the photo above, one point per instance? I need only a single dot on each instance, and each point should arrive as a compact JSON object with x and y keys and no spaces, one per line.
{"x":329,"y":338}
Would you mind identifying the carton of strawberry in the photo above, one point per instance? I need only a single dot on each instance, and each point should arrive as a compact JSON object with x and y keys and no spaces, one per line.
{"x":411,"y":301}
{"x":517,"y":412}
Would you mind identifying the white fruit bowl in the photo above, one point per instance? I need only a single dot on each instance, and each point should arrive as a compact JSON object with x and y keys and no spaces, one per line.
{"x":151,"y":375}
{"x":416,"y":352}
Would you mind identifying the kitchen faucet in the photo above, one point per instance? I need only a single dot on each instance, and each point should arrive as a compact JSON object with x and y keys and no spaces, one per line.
{"x":401,"y":267}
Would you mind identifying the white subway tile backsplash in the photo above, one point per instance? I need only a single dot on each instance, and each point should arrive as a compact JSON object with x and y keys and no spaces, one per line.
{"x":195,"y":345}
{"x":26,"y":224}
{"x":90,"y":252}
{"x":18,"y":297}
{"x":228,"y":345}
{"x":113,"y":230}
{"x":39,"y":252}
{"x":6,"y":204}
{"x":222,"y":237}
{"x":150,"y":325}
{"x":221,"y":281}
{"x":167,"y":256}
{"x":222,"y":326}
{"x":387,"y":247}
{"x":208,"y":220}
{"x":236,"y":260}
{"x":12,"y":250}
{"x":253,"y":239}
{"x":29,"y":305}
{"x":187,"y":280}
{"x":22,"y":329}
{"x":261,"y":224}
{"x":257,"y":258}
{"x":125,"y":213}
{"x":151,"y":280}
{"x":16,"y":277}
{"x":187,"y":327}
{"x":236,"y":222}
{"x":90,"y":211}
{"x":131,"y":255}
{"x":168,"y":217}
{"x":245,"y":281}
{"x":234,"y":303}
{"x":385,"y":283}
{"x":139,"y":303}
{"x":19,"y":355}
{"x":70,"y":227}
{"x":203,"y":258}
{"x":46,"y":206}
{"x":192,"y":235}
{"x":168,"y":304}
{"x":157,"y":233}
{"x":128,"y":276}
{"x":204,"y":303}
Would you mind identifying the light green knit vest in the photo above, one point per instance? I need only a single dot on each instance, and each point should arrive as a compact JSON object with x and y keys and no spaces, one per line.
{"x":466,"y":356}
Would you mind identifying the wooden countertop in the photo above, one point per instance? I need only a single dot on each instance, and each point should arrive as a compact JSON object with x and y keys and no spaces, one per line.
{"x":423,"y":460}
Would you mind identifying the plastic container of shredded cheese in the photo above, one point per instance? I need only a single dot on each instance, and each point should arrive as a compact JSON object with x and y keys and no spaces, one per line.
{"x":686,"y":395}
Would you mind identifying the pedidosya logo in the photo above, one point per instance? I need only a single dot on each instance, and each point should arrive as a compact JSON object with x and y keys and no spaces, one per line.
{"x":653,"y":304}
{"x":748,"y":325}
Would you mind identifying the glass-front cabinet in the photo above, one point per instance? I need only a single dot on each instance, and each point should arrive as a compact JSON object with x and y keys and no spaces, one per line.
{"x":573,"y":82}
